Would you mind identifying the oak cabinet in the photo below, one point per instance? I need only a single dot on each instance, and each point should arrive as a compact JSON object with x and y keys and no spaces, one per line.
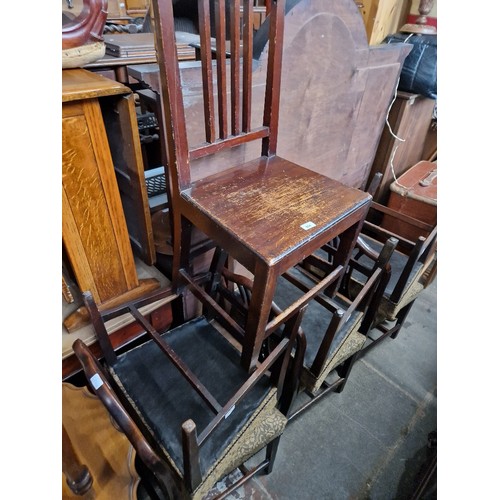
{"x":95,"y":235}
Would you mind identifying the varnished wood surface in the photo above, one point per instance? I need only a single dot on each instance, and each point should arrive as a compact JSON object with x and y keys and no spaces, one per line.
{"x":80,"y":84}
{"x":410,"y":118}
{"x":344,"y":88}
{"x":98,"y":444}
{"x":265,"y":202}
{"x":94,"y":228}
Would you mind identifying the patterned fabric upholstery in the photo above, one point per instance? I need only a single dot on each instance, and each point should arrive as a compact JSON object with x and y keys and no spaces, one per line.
{"x":146,"y":376}
{"x":267,"y":424}
{"x":388,"y":309}
{"x":346,"y":342}
{"x":353,"y":342}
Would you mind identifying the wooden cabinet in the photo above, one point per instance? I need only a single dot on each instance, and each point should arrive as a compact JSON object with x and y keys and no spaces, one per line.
{"x":410,"y":119}
{"x":383,"y":17}
{"x":94,"y":228}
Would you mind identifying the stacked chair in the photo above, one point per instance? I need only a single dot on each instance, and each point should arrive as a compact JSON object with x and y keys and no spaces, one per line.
{"x":335,"y":328}
{"x":413,"y":268}
{"x":410,"y":268}
{"x":182,"y":398}
{"x":199,"y":400}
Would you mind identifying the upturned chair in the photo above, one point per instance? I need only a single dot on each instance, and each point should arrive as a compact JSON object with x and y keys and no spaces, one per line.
{"x":413,"y":268}
{"x":182,"y":398}
{"x":333,"y":329}
{"x":268,"y":213}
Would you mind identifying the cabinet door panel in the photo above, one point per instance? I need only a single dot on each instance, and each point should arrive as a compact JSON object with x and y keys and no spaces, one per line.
{"x":94,"y":229}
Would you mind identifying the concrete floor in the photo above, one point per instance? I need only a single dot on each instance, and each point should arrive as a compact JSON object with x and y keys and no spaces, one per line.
{"x":370,"y":441}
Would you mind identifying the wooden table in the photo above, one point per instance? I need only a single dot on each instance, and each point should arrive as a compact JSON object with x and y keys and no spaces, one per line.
{"x":91,"y":440}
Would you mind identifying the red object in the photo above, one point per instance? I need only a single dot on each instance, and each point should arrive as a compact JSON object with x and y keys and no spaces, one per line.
{"x":412,"y":19}
{"x":88,"y":26}
{"x":414,"y":194}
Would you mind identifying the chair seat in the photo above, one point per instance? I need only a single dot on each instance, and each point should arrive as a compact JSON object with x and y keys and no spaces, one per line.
{"x":388,"y":309}
{"x":254,"y":422}
{"x":351,"y":342}
{"x":274,"y":206}
{"x":346,"y":342}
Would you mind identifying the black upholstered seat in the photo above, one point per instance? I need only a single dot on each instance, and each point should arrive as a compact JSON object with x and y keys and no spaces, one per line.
{"x":165,"y":400}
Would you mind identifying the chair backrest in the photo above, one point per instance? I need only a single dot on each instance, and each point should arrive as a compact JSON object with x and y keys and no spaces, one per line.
{"x":227,"y":121}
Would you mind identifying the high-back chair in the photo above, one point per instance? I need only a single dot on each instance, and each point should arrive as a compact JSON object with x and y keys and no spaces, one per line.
{"x":183,"y":399}
{"x":268,"y":213}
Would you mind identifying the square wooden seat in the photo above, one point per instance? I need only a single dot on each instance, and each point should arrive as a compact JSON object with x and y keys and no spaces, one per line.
{"x":273,"y":209}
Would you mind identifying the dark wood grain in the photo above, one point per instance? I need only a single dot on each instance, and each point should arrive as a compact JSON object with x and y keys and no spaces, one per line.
{"x":273,"y":193}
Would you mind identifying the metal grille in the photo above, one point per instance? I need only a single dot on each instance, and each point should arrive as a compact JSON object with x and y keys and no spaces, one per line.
{"x":156,"y":185}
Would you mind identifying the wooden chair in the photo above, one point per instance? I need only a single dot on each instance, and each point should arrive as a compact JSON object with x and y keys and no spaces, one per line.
{"x":267,"y":212}
{"x":334,"y":328}
{"x":413,"y":268}
{"x":189,"y":408}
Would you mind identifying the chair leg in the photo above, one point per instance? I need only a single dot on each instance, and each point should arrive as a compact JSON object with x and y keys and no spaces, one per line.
{"x":271,"y":451}
{"x":344,"y":371}
{"x":401,"y":318}
{"x":181,"y":240}
{"x":391,"y":332}
{"x":178,"y":315}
